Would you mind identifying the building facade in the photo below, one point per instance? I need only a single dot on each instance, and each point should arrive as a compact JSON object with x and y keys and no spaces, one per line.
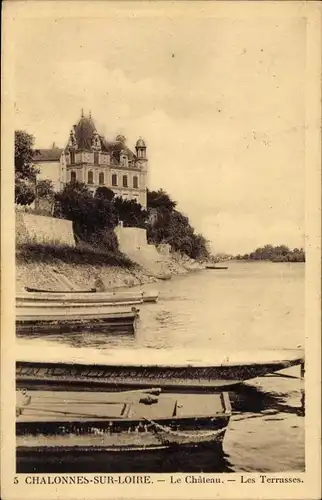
{"x":88,"y":157}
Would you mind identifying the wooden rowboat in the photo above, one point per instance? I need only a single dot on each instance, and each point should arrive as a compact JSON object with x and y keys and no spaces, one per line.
{"x":76,"y":319}
{"x":46,"y":290}
{"x":132,"y":424}
{"x":104,"y":298}
{"x":172,"y":370}
{"x":85,"y":297}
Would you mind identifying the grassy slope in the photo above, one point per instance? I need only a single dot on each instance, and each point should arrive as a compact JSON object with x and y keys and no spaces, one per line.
{"x":82,"y":254}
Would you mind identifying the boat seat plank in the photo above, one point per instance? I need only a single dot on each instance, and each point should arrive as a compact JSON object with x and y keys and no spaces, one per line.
{"x":70,"y":412}
{"x":208,"y":404}
{"x":164,"y":408}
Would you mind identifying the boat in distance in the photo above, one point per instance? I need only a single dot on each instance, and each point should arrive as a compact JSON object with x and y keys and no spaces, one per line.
{"x":78,"y":318}
{"x":171,"y":370}
{"x":216,"y":267}
{"x":85,"y":296}
{"x":61,"y":426}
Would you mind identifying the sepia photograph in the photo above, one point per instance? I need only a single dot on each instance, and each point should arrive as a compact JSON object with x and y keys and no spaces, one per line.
{"x":160,"y":241}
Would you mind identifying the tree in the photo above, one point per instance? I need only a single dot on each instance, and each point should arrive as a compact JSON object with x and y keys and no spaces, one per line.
{"x":25,"y":171}
{"x":45,"y":189}
{"x":279,"y":253}
{"x":160,"y":200}
{"x":130,"y":212}
{"x":24,"y":193}
{"x":104,"y":193}
{"x":172,"y":227}
{"x":89,"y":214}
{"x":24,"y":155}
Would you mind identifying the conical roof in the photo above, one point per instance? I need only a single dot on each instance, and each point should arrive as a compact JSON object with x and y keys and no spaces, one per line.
{"x":84,"y":132}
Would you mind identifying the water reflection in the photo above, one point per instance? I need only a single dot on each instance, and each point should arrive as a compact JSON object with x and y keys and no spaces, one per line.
{"x":101,"y":339}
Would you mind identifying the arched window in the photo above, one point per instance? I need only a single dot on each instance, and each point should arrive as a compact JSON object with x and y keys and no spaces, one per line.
{"x":125,"y":181}
{"x":90,"y":177}
{"x":114,"y":180}
{"x":73,"y":176}
{"x":101,"y":178}
{"x":135,"y":182}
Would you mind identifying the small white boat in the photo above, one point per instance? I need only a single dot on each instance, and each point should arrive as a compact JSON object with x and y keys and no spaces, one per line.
{"x":142,"y":368}
{"x":50,"y":299}
{"x":79,"y":298}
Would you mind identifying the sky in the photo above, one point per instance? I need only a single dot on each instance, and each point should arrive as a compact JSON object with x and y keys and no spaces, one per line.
{"x":219,"y":101}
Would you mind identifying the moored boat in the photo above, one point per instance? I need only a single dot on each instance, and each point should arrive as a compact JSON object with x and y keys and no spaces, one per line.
{"x":67,"y":319}
{"x":48,"y":290}
{"x":72,"y":298}
{"x":126,"y":425}
{"x":172,"y":370}
{"x":79,"y":298}
{"x":216,"y":267}
{"x":150,"y":296}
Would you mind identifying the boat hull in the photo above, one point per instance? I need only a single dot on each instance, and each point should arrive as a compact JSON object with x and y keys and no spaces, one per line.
{"x":39,"y":293}
{"x":115,"y":375}
{"x":56,"y":299}
{"x":216,"y":267}
{"x":45,"y":290}
{"x":92,"y":320}
{"x":150,"y":297}
{"x":56,"y":428}
{"x":162,"y":459}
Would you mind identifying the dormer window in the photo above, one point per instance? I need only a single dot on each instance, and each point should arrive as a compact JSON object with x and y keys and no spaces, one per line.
{"x":72,"y":157}
{"x":123,"y":159}
{"x":96,"y":142}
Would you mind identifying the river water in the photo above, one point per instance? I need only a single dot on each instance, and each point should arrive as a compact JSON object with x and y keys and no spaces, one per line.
{"x":248,"y":306}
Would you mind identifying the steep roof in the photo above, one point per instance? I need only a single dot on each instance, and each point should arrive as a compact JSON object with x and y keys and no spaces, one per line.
{"x":115,"y":148}
{"x":84,"y":131}
{"x":52,"y":154}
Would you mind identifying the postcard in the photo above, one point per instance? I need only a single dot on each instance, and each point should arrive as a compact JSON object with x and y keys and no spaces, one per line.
{"x":161,"y":239}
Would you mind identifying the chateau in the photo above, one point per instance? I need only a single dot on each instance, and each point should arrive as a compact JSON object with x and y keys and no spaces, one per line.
{"x":88,"y":157}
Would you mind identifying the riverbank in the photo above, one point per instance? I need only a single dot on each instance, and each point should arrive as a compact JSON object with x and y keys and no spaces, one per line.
{"x":36,"y":267}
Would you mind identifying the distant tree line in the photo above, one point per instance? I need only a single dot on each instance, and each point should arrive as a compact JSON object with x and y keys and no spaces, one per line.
{"x":280,"y":253}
